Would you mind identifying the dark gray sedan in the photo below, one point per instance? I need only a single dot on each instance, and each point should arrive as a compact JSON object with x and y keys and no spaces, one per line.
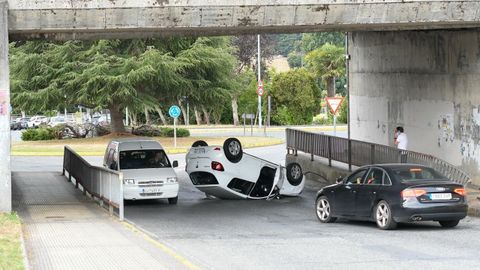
{"x":392,"y":193}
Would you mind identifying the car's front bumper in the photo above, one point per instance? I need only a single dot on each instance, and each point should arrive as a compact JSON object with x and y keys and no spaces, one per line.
{"x":134,"y":192}
{"x":430,"y":211}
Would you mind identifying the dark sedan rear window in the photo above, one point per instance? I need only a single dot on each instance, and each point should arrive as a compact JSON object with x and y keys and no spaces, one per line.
{"x":406,"y":174}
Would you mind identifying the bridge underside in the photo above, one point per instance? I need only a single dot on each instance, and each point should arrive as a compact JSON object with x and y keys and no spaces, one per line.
{"x":88,"y":19}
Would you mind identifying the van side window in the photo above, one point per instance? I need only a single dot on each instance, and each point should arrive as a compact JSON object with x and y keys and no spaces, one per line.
{"x":110,"y":159}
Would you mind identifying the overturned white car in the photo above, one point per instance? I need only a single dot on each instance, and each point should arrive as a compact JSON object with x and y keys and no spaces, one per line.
{"x":229,"y":173}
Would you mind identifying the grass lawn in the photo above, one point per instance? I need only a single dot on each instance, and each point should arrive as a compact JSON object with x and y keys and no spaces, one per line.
{"x":96,"y":146}
{"x":11,"y":257}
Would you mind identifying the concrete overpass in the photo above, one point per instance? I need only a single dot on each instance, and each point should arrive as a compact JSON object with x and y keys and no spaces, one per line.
{"x":425,"y":80}
{"x":93,"y":19}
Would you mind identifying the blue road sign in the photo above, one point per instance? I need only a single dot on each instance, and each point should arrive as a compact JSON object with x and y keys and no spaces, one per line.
{"x":174,"y":111}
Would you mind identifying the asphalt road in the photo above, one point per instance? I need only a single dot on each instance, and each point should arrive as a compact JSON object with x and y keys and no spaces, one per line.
{"x":285,"y":234}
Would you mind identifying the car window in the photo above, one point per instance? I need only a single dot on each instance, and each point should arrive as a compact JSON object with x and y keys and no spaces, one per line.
{"x":143,"y":159}
{"x":374,"y":177}
{"x":386,"y":180}
{"x":410,"y":173}
{"x":356,"y":177}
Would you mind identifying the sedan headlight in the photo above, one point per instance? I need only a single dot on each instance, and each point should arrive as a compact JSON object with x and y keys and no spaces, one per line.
{"x":172,"y":180}
{"x":129,"y":181}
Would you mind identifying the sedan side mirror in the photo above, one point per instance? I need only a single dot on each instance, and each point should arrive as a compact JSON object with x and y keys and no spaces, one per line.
{"x":175,"y":164}
{"x":339,"y":180}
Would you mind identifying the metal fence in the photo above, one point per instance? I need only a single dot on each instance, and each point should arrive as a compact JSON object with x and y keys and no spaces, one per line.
{"x":359,"y":153}
{"x":101,"y":183}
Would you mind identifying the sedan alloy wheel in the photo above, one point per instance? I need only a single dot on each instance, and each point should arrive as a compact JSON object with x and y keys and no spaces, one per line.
{"x":323,"y":210}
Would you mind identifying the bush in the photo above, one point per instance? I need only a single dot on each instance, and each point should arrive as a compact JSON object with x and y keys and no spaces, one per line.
{"x":322,"y":119}
{"x":149,"y":131}
{"x":40,"y":134}
{"x":168,"y":132}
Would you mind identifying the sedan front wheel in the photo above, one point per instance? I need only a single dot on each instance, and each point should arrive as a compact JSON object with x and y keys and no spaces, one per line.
{"x":323,"y":210}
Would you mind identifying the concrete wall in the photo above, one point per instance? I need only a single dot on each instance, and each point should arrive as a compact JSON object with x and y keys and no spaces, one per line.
{"x":426,"y":81}
{"x":94,"y":19}
{"x":5,"y":173}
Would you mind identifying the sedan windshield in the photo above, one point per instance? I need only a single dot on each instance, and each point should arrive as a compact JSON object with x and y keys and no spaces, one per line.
{"x":406,"y":174}
{"x":143,"y":159}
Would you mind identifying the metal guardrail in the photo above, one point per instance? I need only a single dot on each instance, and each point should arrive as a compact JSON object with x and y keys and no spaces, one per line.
{"x":101,"y":183}
{"x":359,"y":153}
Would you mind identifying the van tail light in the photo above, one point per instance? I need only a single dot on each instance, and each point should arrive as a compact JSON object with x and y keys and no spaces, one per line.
{"x":460,"y":191}
{"x":217,"y":166}
{"x":413,"y":193}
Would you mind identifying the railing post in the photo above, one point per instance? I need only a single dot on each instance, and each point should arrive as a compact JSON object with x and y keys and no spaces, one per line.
{"x":350,"y":155}
{"x":110,"y":207}
{"x":312,"y":139}
{"x":329,"y":145}
{"x":120,"y":203}
{"x":372,"y":154}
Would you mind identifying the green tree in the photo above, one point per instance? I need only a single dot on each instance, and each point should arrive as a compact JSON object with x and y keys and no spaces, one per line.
{"x":328,"y":63}
{"x":312,"y":41}
{"x":295,"y":97}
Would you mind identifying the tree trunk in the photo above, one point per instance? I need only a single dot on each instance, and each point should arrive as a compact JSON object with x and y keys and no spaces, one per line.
{"x":235,"y":110}
{"x":198,"y":116}
{"x":117,"y":119}
{"x":184,"y":112}
{"x":162,"y":117}
{"x":206,"y":116}
{"x":331,"y":87}
{"x":147,"y":116}
{"x":134,"y":119}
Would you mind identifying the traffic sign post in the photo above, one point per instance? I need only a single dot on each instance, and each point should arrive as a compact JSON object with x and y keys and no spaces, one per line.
{"x":334,"y":104}
{"x":174,"y":112}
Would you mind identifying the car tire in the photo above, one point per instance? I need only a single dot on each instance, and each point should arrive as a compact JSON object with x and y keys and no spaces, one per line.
{"x":173,"y":200}
{"x":323,"y":210}
{"x":449,"y":223}
{"x":294,"y":174}
{"x":383,"y":216}
{"x":199,"y":143}
{"x":233,"y":150}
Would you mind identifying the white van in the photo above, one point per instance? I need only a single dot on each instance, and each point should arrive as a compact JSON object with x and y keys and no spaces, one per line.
{"x":147,"y":171}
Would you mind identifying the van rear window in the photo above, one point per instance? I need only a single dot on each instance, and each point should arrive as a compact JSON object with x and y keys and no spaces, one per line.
{"x":143,"y":159}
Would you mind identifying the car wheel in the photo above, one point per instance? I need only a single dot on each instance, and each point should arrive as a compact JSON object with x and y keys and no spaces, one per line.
{"x":233,"y":150}
{"x":173,"y":200}
{"x":199,"y":143}
{"x":294,"y":174}
{"x":449,"y":223}
{"x":384,"y":217}
{"x":323,"y":210}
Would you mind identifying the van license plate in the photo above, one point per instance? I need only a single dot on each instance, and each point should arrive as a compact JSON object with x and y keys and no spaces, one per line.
{"x":152,"y":190}
{"x":441,"y":196}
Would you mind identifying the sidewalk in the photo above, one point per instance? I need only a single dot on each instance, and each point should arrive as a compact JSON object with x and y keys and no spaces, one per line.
{"x":65,"y":230}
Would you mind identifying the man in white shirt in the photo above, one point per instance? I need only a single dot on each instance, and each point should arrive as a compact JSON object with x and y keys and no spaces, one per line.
{"x":401,"y":141}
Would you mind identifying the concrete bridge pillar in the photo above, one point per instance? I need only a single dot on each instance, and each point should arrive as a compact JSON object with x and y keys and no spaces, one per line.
{"x":5,"y":173}
{"x":426,"y":81}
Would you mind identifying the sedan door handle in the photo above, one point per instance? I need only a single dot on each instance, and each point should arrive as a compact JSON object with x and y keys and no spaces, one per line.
{"x":374,"y":192}
{"x":354,"y":191}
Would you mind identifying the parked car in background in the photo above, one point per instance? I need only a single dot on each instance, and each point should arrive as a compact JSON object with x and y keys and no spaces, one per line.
{"x":57,"y":120}
{"x":227,"y":172}
{"x":147,"y":171}
{"x":36,"y":121}
{"x":392,"y":193}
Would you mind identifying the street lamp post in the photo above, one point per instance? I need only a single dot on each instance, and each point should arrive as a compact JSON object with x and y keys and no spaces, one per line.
{"x":259,"y":79}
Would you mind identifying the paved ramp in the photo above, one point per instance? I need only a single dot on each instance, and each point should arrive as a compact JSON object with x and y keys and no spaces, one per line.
{"x":65,"y":230}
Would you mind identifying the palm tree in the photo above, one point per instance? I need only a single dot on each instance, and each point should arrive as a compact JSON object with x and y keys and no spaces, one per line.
{"x":328,"y":63}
